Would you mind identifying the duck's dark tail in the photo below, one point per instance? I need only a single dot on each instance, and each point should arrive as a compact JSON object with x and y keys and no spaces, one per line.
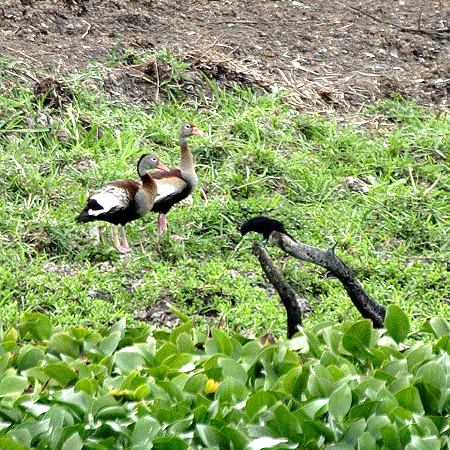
{"x":92,"y":205}
{"x":84,"y":217}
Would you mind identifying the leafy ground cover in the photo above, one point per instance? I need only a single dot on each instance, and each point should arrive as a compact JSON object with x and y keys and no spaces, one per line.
{"x":341,"y":386}
{"x":377,"y":183}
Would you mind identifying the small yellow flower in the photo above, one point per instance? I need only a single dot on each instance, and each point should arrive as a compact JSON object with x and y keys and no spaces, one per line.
{"x":211,"y":386}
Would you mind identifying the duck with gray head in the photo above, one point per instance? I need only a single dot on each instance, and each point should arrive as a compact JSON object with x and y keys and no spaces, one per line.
{"x":180,"y":181}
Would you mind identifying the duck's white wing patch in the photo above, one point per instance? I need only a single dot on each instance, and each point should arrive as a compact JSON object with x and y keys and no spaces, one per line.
{"x":168,"y":187}
{"x":111,"y":199}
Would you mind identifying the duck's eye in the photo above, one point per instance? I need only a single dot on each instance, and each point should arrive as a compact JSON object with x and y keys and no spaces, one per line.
{"x":188,"y":126}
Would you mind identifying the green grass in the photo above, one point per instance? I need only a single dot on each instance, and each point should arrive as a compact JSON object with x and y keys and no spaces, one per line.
{"x":259,"y":156}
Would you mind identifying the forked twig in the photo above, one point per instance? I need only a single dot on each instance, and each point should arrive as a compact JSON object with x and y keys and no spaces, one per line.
{"x":438,"y":32}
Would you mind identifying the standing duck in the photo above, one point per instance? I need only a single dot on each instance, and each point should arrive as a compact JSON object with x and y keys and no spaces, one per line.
{"x":179,"y":182}
{"x":120,"y":202}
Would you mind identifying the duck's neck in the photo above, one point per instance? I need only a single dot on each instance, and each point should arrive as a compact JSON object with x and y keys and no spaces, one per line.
{"x":148,"y":183}
{"x":187,"y":160}
{"x":149,"y":186}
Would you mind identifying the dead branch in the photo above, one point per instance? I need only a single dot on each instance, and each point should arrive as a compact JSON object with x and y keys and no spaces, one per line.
{"x":438,"y":32}
{"x":328,"y":259}
{"x":287,"y":295}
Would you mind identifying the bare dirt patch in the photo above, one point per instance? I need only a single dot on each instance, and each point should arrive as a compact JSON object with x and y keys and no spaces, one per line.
{"x":332,"y":54}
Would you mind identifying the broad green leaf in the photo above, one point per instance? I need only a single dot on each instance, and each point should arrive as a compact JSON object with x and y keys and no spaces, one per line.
{"x":340,"y":402}
{"x":145,"y":430}
{"x":29,"y":356}
{"x":88,"y":385}
{"x":140,"y":393}
{"x":314,"y":431}
{"x":60,"y":372}
{"x":430,"y":396}
{"x":4,"y":361}
{"x":118,"y":327}
{"x":104,"y":401}
{"x":73,"y":443}
{"x":63,"y":343}
{"x":354,"y":431}
{"x":76,"y":401}
{"x":314,"y":343}
{"x":9,"y":444}
{"x":231,"y":390}
{"x":38,"y":325}
{"x":396,"y":323}
{"x":433,"y":373}
{"x":128,"y":359}
{"x":424,"y":443}
{"x":376,"y":423}
{"x":133,"y":380}
{"x":28,"y":431}
{"x":110,"y":342}
{"x":401,"y":415}
{"x":235,"y":437}
{"x":369,"y":387}
{"x":440,"y":326}
{"x":357,"y":338}
{"x":166,"y":350}
{"x":295,"y":381}
{"x":11,"y":335}
{"x":231,"y":368}
{"x":259,"y":402}
{"x":211,"y":436}
{"x":181,"y":362}
{"x":169,"y":443}
{"x":285,"y":424}
{"x":416,"y":356}
{"x":184,"y":328}
{"x":111,"y":413}
{"x":409,"y":398}
{"x":316,"y":408}
{"x":426,"y":425}
{"x":196,"y":383}
{"x":184,"y":343}
{"x":391,"y":438}
{"x":12,"y":385}
{"x":363,"y":410}
{"x":222,"y":343}
{"x":180,"y":426}
{"x":367,"y":442}
{"x":79,"y":332}
{"x":333,"y":338}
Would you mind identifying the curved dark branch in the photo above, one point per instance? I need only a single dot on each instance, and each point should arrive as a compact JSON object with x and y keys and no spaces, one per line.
{"x":287,"y":294}
{"x":328,"y":259}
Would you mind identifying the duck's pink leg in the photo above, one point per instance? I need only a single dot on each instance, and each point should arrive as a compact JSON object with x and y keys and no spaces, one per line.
{"x":121,"y":248}
{"x":162,"y":223}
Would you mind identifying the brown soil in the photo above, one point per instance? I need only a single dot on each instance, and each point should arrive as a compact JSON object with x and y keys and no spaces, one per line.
{"x":331,"y":53}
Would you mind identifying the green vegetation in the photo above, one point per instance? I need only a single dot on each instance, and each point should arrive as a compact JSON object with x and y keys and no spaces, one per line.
{"x":259,"y":156}
{"x":342,"y":386}
{"x":377,"y":183}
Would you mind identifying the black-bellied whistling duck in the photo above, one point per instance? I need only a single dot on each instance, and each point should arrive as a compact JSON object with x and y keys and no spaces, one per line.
{"x":263,"y":225}
{"x":179,"y":182}
{"x":120,"y":202}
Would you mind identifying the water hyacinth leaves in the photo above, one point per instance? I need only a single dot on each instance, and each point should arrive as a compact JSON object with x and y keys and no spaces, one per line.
{"x":396,"y":323}
{"x":345,"y":385}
